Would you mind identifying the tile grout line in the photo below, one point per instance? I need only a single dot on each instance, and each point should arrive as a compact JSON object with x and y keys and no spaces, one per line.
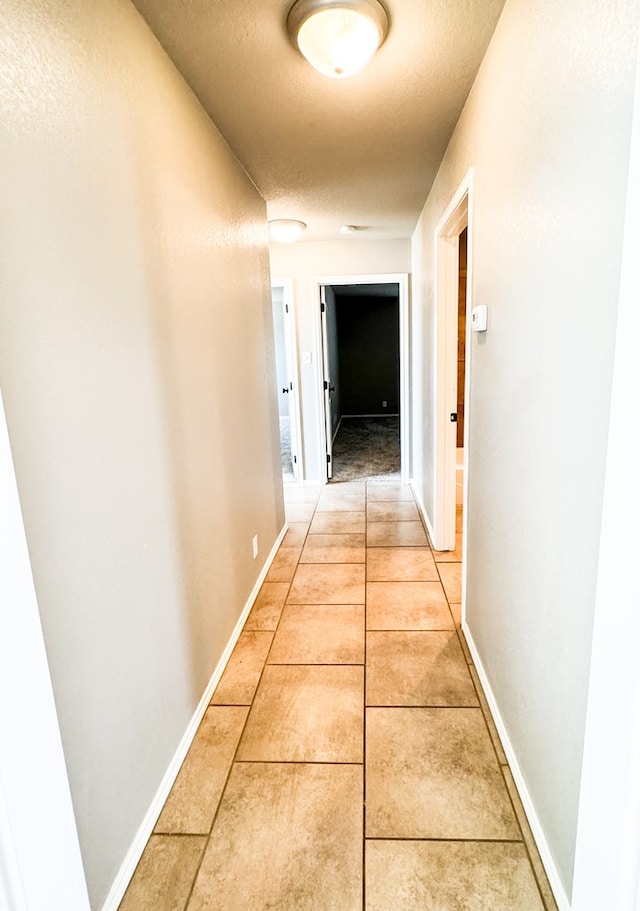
{"x":235,"y":752}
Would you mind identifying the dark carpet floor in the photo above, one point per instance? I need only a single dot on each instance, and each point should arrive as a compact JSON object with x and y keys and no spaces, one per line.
{"x":367,"y":448}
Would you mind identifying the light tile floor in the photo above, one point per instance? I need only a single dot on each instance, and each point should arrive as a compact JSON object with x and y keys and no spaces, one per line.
{"x":348,"y":760}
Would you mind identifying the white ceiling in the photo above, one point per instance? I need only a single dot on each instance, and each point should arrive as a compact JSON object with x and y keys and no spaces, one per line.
{"x":361,"y":151}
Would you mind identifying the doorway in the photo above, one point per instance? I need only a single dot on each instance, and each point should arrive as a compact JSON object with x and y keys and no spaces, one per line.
{"x":362,"y":362}
{"x":284,"y":336}
{"x":453,"y":264}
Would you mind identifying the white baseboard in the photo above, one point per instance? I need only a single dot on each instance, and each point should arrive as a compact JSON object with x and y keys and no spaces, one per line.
{"x":423,"y":512}
{"x":546,"y":857}
{"x":133,"y":855}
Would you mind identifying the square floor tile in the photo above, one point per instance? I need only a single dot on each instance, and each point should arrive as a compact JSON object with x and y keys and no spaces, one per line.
{"x":379,"y":511}
{"x":407,"y":605}
{"x":389,"y":492}
{"x":449,"y":876}
{"x":284,"y":565}
{"x":287,"y":837}
{"x":319,"y":634}
{"x":306,"y":713}
{"x":305,"y":494}
{"x":432,"y":773}
{"x":330,"y":583}
{"x":401,"y":564}
{"x":344,"y":487}
{"x":240,"y":678}
{"x":165,"y":874}
{"x":296,"y":533}
{"x":299,"y":512}
{"x":417,"y":668}
{"x":338,"y":523}
{"x":334,"y":549}
{"x":266,"y":611}
{"x":396,"y":534}
{"x":196,"y":792}
{"x":341,"y":503}
{"x":451,"y":576}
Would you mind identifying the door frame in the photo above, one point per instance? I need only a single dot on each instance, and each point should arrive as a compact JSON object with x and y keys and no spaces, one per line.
{"x":457,"y":216}
{"x":291,"y":347}
{"x":39,"y":848}
{"x":608,"y":869}
{"x":401,"y":279}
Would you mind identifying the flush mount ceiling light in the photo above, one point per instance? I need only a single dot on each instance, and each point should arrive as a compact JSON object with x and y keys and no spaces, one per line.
{"x":338,"y":37}
{"x":285,"y":230}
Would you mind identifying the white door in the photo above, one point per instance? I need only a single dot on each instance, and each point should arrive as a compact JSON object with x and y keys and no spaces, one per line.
{"x":326,"y":380}
{"x":286,"y":378}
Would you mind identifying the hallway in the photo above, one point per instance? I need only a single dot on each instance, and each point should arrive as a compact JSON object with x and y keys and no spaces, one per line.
{"x":267,"y":811}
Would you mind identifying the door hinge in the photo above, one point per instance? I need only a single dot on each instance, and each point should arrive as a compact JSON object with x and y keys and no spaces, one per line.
{"x":453,"y":417}
{"x":291,"y":386}
{"x":322,"y":308}
{"x":295,"y":459}
{"x":286,"y":308}
{"x":328,"y":458}
{"x":326,"y":384}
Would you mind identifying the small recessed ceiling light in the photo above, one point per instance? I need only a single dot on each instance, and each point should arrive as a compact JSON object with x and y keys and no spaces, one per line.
{"x":348,"y":229}
{"x":338,"y":37}
{"x":285,"y":230}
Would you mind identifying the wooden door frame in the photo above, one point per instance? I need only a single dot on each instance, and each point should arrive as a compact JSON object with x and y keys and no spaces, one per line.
{"x":401,"y":279}
{"x":291,"y":346}
{"x":457,"y":216}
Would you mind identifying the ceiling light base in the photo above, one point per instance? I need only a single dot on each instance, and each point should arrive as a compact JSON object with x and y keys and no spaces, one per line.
{"x":337,"y":37}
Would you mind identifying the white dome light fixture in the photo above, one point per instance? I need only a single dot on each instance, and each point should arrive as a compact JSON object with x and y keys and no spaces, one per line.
{"x":285,"y":230}
{"x":338,"y":37}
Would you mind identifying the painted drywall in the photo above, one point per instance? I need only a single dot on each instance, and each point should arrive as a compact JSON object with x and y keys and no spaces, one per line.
{"x":137,"y":368}
{"x":546,"y":129}
{"x":303,"y":262}
{"x":369,"y":354}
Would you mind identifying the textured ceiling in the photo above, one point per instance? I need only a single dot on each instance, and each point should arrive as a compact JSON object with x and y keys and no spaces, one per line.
{"x":361,"y":151}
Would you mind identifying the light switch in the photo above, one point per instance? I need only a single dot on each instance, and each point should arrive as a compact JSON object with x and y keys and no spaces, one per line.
{"x":479,"y":319}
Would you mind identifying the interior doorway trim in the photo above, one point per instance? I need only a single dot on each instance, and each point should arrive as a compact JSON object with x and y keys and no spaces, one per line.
{"x":457,"y":216}
{"x":401,"y":279}
{"x":291,"y":342}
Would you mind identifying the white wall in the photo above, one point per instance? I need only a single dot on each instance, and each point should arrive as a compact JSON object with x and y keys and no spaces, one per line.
{"x":546,"y":128}
{"x":302,"y":262}
{"x":137,"y":367}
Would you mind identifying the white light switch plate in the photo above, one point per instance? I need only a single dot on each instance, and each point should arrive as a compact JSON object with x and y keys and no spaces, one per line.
{"x":479,"y":319}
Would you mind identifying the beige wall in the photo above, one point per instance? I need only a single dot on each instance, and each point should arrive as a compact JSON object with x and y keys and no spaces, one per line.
{"x":546,"y":128}
{"x":303,"y":262}
{"x":137,"y":369}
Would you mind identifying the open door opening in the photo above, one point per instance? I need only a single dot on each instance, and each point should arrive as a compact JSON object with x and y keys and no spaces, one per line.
{"x":287,"y":380}
{"x":363,"y":379}
{"x":453,"y":262}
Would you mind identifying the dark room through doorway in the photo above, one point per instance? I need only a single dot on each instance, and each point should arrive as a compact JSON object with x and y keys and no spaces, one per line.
{"x":361,"y":352}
